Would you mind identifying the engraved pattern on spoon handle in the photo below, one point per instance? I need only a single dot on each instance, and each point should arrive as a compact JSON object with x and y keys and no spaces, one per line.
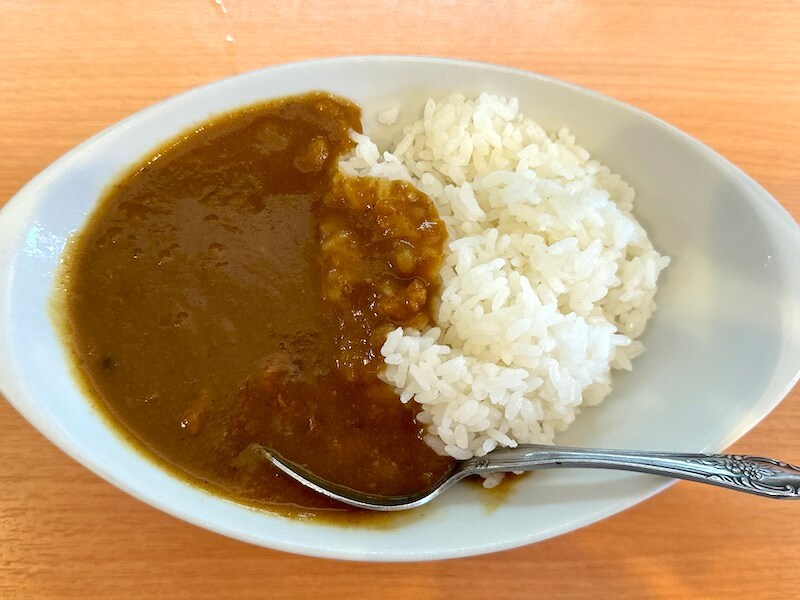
{"x":752,"y":474}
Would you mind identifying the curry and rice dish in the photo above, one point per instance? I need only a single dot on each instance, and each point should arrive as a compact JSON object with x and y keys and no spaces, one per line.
{"x":270,"y":279}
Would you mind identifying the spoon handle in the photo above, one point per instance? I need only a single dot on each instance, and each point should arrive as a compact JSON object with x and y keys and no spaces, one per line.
{"x":752,"y":474}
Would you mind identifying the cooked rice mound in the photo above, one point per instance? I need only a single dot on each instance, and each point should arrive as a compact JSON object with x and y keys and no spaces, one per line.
{"x":548,"y":278}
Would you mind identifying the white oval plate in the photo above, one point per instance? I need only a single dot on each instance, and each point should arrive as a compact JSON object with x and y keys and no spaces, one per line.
{"x":722,"y":350}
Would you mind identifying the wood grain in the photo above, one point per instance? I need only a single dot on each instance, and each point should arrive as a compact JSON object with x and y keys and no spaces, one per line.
{"x":725,"y":72}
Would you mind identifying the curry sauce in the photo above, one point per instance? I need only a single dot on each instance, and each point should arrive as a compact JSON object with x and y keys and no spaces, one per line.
{"x":234,"y":290}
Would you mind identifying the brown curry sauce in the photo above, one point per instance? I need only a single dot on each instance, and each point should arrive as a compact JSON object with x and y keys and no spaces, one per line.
{"x":234,"y":290}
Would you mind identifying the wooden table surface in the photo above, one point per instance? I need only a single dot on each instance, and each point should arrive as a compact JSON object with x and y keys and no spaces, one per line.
{"x":727,"y":73}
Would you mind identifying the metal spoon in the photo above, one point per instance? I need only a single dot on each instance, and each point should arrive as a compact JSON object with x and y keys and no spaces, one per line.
{"x":752,"y":474}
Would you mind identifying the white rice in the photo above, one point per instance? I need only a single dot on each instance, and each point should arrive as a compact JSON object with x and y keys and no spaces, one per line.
{"x":547,"y":282}
{"x":389,"y":116}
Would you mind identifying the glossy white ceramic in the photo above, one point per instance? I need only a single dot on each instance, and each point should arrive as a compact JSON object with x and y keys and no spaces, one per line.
{"x":722,"y":350}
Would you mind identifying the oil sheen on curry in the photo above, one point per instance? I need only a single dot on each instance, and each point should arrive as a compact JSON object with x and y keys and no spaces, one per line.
{"x":233,"y":291}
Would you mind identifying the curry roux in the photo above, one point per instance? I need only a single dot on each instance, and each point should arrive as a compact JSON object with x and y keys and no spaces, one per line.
{"x":233,"y":289}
